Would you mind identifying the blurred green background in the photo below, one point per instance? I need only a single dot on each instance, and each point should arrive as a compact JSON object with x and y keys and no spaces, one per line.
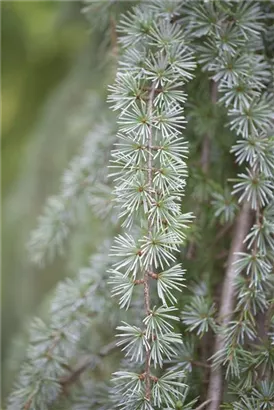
{"x":53,"y":89}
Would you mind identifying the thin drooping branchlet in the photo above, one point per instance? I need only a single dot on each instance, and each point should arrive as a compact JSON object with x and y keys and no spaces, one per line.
{"x":150,"y":268}
{"x":149,"y":172}
{"x":80,"y":186}
{"x":53,"y":346}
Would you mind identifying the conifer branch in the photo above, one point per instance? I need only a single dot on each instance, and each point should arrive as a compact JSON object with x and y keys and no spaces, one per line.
{"x":150,"y":225}
{"x":152,"y":172}
{"x":74,"y":375}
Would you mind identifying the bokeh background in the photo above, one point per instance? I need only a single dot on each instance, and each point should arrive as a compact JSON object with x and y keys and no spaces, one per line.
{"x":55,"y":72}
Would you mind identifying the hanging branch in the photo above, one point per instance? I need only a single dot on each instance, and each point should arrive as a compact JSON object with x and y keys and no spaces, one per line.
{"x":85,"y":364}
{"x":52,"y":347}
{"x":150,"y":225}
{"x":149,"y":171}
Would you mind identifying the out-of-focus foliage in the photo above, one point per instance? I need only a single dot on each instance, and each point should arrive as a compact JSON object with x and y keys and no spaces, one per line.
{"x":39,"y":44}
{"x":51,"y":99}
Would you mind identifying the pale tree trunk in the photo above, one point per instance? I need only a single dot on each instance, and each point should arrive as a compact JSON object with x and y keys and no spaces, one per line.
{"x":242,"y":226}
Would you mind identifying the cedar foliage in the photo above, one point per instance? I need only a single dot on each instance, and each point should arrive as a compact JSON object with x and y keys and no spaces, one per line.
{"x":189,"y":196}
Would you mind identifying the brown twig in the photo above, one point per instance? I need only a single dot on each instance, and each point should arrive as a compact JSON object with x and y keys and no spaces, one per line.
{"x":153,"y":275}
{"x":81,"y":368}
{"x":242,"y":227}
{"x":200,"y":364}
{"x":223,"y":231}
{"x":139,"y":282}
{"x":203,"y":405}
{"x":150,"y":268}
{"x":113,"y":37}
